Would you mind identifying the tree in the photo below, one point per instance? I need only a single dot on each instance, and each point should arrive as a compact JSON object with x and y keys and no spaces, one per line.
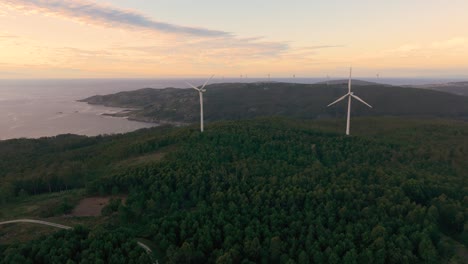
{"x":427,"y":251}
{"x":275,"y":248}
{"x":303,"y":258}
{"x":252,"y":248}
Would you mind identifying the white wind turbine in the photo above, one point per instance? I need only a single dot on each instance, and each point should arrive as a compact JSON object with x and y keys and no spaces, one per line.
{"x":200,"y":92}
{"x":349,"y":95}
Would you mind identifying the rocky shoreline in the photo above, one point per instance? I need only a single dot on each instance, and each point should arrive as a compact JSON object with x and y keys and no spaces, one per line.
{"x":129,"y":115}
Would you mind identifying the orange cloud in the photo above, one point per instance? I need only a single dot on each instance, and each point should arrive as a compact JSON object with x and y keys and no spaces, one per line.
{"x":93,"y":13}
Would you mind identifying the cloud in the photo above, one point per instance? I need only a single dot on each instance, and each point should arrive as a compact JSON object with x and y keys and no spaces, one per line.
{"x":451,"y":43}
{"x":406,"y":48}
{"x":83,"y":52}
{"x":93,"y":13}
{"x":202,"y":49}
{"x":167,"y":47}
{"x":323,"y":47}
{"x":9,"y":73}
{"x":4,"y":35}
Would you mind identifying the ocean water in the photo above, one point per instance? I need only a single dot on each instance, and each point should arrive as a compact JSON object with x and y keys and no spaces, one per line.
{"x":38,"y":108}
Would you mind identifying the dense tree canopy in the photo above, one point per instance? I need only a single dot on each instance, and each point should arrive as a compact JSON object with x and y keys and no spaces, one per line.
{"x":283,"y":191}
{"x":78,"y":246}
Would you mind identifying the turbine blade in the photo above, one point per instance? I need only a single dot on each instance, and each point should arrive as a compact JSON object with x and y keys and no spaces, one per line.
{"x":349,"y":82}
{"x":207,"y":81}
{"x":360,"y":100}
{"x":191,"y":85}
{"x":337,"y":100}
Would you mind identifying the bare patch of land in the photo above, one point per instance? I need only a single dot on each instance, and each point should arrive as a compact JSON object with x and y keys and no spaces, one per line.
{"x":148,"y":158}
{"x":90,"y":206}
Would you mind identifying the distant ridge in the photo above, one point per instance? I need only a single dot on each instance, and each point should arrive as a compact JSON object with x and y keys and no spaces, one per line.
{"x":354,"y":81}
{"x":458,"y":88}
{"x":230,"y":101}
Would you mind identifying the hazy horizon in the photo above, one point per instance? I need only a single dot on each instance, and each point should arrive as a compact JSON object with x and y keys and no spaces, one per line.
{"x":179,"y":82}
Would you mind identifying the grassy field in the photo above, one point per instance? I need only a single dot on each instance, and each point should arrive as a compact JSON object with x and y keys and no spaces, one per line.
{"x":46,"y":207}
{"x":40,"y":206}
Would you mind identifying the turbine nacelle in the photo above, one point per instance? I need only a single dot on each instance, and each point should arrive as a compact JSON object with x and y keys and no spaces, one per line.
{"x":201,"y":90}
{"x":196,"y":88}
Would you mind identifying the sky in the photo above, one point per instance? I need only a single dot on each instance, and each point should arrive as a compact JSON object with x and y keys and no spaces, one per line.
{"x":254,"y":38}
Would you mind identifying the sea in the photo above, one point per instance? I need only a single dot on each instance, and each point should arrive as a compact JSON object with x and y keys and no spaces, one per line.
{"x":45,"y":108}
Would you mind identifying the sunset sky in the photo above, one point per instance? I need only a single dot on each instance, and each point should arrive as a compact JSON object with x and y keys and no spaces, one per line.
{"x":188,"y":38}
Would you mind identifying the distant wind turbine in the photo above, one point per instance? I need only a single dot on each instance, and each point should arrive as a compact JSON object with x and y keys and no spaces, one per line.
{"x":349,"y":95}
{"x":200,"y":92}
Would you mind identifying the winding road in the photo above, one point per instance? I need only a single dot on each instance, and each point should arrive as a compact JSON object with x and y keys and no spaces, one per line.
{"x":35,"y":222}
{"x":145,"y":247}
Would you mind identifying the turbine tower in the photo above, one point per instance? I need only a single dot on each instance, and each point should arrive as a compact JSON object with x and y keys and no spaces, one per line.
{"x":349,"y":95}
{"x":200,"y":92}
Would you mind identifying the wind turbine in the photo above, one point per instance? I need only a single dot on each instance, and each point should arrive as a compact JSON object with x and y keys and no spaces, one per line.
{"x":200,"y":92}
{"x":349,"y":95}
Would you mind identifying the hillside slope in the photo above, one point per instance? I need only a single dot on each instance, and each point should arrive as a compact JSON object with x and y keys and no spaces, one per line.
{"x":458,"y":88}
{"x":267,"y":190}
{"x":247,"y":100}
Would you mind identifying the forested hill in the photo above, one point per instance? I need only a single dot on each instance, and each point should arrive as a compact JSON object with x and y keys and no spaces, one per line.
{"x":247,"y":100}
{"x":258,"y":191}
{"x":458,"y":88}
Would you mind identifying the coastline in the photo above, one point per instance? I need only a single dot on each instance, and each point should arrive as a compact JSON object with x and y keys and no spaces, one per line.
{"x":129,"y":114}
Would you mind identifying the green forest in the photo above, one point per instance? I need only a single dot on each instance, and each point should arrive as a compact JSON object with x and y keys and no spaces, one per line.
{"x":79,"y":246}
{"x":264,"y":190}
